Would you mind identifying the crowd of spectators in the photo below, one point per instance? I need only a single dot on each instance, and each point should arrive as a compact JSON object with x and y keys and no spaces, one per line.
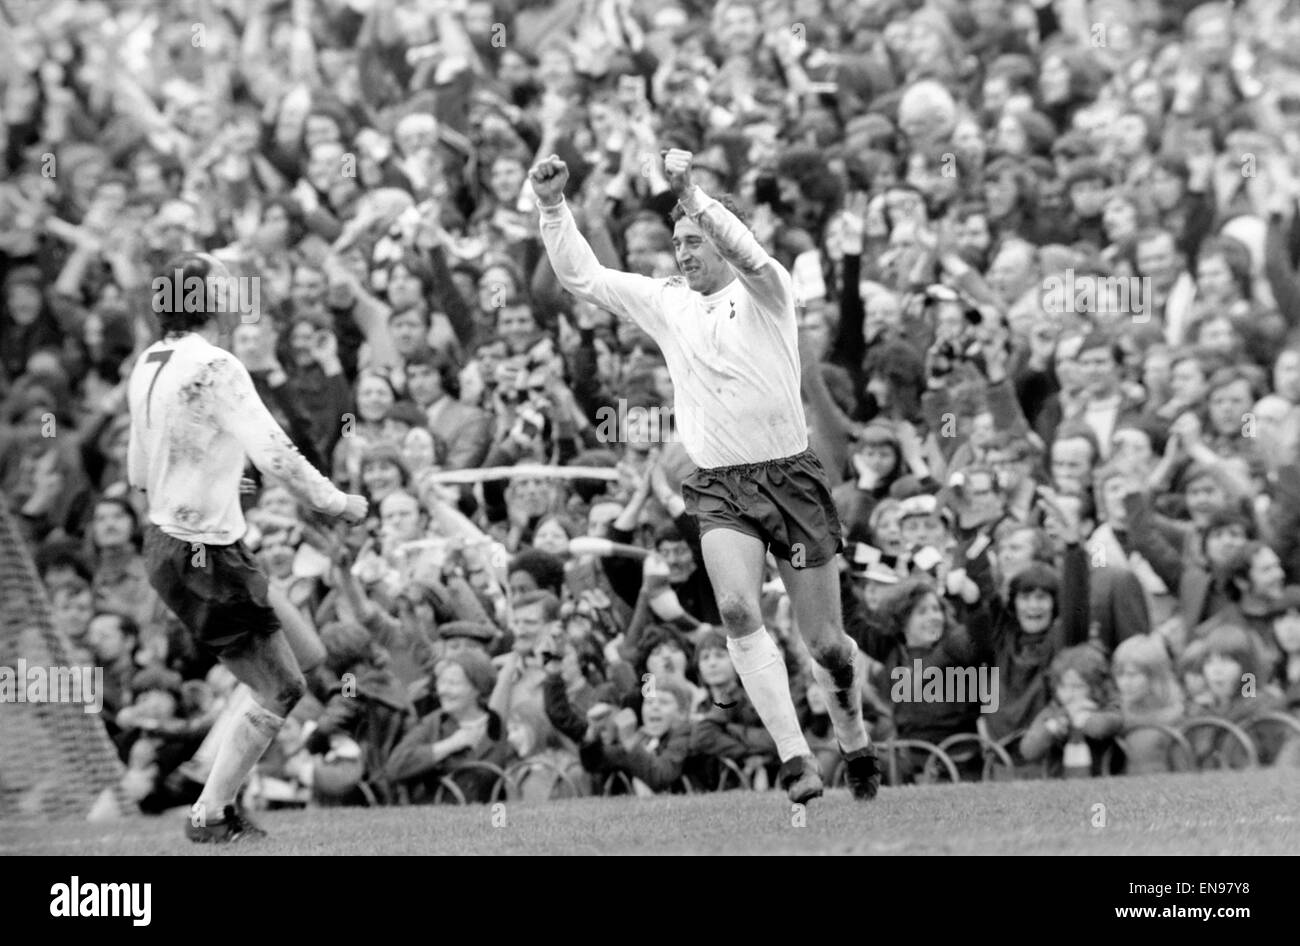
{"x":1046,"y":253}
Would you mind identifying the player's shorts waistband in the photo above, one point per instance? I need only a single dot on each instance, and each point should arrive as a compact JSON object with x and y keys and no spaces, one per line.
{"x":759,"y":465}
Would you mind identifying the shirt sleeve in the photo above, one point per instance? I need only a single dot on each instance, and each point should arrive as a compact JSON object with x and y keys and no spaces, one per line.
{"x":579,"y":271}
{"x":241,"y":412}
{"x":767,"y":281}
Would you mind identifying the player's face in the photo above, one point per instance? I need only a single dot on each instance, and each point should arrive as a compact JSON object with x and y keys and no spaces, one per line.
{"x":702,"y":265}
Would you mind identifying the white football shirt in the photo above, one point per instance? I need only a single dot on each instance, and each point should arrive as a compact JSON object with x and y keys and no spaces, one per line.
{"x":195,"y":416}
{"x":733,"y":355}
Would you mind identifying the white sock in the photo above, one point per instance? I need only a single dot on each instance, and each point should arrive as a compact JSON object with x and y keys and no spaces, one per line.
{"x":844,"y":705}
{"x":761,"y":669}
{"x":242,"y":744}
{"x":200,"y":764}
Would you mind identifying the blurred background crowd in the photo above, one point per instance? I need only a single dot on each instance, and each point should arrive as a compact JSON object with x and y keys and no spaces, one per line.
{"x":1046,"y":252}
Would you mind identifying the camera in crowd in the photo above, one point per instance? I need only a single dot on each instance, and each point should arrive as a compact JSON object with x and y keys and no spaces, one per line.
{"x":958,"y":344}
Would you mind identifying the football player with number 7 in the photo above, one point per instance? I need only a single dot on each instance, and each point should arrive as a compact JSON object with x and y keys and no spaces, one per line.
{"x":195,"y":420}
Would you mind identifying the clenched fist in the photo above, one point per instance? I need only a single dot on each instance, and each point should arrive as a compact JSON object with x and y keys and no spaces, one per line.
{"x":677,"y":168}
{"x":356,"y":508}
{"x":548,"y":178}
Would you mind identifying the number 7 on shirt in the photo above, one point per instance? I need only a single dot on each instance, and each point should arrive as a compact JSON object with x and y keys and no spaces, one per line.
{"x":162,"y":357}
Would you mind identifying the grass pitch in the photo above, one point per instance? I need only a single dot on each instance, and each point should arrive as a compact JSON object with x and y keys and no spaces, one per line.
{"x":1213,"y":813}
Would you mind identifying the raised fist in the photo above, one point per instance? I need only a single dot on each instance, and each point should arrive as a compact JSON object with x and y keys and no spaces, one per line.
{"x":677,"y":168}
{"x":548,"y":178}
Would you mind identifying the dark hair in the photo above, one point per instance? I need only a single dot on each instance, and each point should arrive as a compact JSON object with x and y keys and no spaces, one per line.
{"x":126,"y":507}
{"x":550,"y":603}
{"x":1037,"y":577}
{"x":898,"y":363}
{"x":1042,"y":546}
{"x":1231,"y":375}
{"x":125,"y":623}
{"x":727,"y":200}
{"x":1095,"y":340}
{"x":1078,"y":431}
{"x":293,"y":214}
{"x":1227,"y":516}
{"x":1237,"y":569}
{"x":905,"y":598}
{"x":448,"y":376}
{"x":546,"y":569}
{"x":1235,"y":256}
{"x":61,"y":553}
{"x":187,"y":266}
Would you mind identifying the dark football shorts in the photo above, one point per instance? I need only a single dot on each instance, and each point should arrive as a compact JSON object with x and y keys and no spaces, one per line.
{"x":221,"y":599}
{"x":785,"y":503}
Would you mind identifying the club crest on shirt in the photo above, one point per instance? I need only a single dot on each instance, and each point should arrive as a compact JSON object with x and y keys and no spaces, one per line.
{"x":676,"y":281}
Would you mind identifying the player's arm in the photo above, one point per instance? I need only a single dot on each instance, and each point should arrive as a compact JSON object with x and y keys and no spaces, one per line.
{"x":136,"y":474}
{"x":575,"y":263}
{"x":240,"y":411}
{"x":763,"y":276}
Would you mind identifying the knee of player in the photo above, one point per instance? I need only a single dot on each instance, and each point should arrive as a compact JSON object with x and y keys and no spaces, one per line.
{"x":739,"y":612}
{"x":833,"y":650}
{"x":289,"y":692}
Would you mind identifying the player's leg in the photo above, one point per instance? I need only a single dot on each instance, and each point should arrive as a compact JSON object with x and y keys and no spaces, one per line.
{"x":815,"y":600}
{"x":308,"y":653}
{"x":265,"y":664}
{"x":809,"y":531}
{"x":734,"y":561}
{"x":304,"y":642}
